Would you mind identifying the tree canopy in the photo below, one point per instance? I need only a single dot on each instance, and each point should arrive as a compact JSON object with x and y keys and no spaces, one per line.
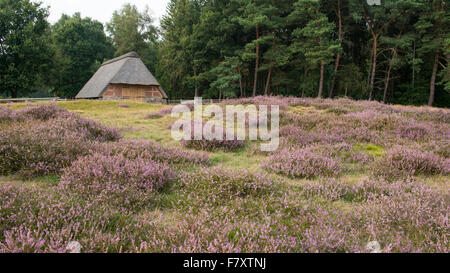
{"x":395,"y":51}
{"x":25,"y":48}
{"x":81,"y":46}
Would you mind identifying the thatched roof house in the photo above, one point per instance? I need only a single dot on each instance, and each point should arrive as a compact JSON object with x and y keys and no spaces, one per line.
{"x":123,"y":78}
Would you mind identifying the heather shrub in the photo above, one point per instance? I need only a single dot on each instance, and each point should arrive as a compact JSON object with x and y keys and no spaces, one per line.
{"x":214,"y":145}
{"x":41,"y":112}
{"x":304,"y":129}
{"x":440,"y":147}
{"x":45,"y":143}
{"x":302,"y":164}
{"x":332,"y":189}
{"x":401,"y":161}
{"x":87,"y":128}
{"x":133,"y":149}
{"x":297,"y":136}
{"x":163,"y":112}
{"x":343,"y":152}
{"x":116,"y":179}
{"x":40,"y":148}
{"x":282,"y":102}
{"x":413,"y":218}
{"x":5,"y":114}
{"x":36,"y":221}
{"x":219,"y":231}
{"x":216,"y":185}
{"x":416,"y":131}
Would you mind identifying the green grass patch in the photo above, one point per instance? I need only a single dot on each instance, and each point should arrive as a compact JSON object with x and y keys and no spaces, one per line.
{"x":370,"y":149}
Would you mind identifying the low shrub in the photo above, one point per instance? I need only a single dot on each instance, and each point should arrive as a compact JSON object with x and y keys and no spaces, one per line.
{"x":163,"y":112}
{"x":41,"y":112}
{"x":214,"y":145}
{"x":87,"y":128}
{"x":302,"y":164}
{"x":216,"y":185}
{"x":133,"y":149}
{"x":116,"y":178}
{"x":44,"y":140}
{"x":413,"y":130}
{"x":36,"y":221}
{"x":39,"y":149}
{"x":282,"y":102}
{"x":5,"y":114}
{"x":400,"y":161}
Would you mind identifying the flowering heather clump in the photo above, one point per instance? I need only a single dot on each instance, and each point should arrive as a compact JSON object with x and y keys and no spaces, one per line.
{"x":5,"y":114}
{"x":332,"y":189}
{"x":35,"y":221}
{"x":115,"y":177}
{"x":87,"y":128}
{"x":408,"y":218}
{"x":298,"y":136}
{"x":439,"y":147}
{"x":414,"y":130}
{"x":123,"y":106}
{"x":46,"y":146}
{"x":345,"y":152}
{"x":40,"y":148}
{"x":326,"y":129}
{"x":133,"y":149}
{"x":42,"y":112}
{"x":283,"y":102}
{"x":219,"y":184}
{"x":163,"y":112}
{"x":425,"y":113}
{"x":400,"y":161}
{"x":302,"y":164}
{"x":214,"y":145}
{"x":403,"y":216}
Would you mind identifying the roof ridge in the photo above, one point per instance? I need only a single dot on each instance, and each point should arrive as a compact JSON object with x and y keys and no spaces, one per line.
{"x":131,"y":54}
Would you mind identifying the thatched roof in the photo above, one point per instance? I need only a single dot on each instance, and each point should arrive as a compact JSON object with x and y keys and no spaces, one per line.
{"x":126,"y":69}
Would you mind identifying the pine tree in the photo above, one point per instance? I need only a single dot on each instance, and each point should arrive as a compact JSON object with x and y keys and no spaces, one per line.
{"x":314,"y":39}
{"x":378,"y":18}
{"x":433,"y":25}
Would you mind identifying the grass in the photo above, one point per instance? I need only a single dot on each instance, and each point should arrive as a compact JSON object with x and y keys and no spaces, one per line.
{"x":133,"y":124}
{"x":165,"y":211}
{"x":44,"y":182}
{"x":370,"y":149}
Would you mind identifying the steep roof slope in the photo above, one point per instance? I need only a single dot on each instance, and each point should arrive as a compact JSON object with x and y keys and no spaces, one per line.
{"x":126,"y":69}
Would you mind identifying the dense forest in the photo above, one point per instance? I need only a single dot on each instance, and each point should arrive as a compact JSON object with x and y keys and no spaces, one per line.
{"x":396,"y":52}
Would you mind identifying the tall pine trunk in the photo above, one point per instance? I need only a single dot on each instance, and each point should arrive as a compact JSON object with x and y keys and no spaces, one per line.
{"x":303,"y":87}
{"x":255,"y":83}
{"x":322,"y":70}
{"x":240,"y":82}
{"x":266,"y":91}
{"x":433,"y":79}
{"x":374,"y":65}
{"x":386,"y":83}
{"x":196,"y":85}
{"x":338,"y":57}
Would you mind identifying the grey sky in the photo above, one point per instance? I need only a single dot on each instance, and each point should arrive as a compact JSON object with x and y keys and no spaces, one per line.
{"x":100,"y":10}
